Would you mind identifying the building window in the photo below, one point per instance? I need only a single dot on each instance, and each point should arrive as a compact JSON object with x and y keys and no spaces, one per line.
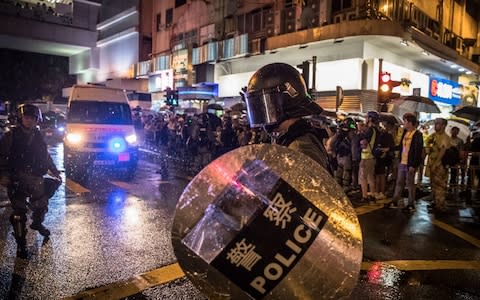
{"x":159,"y":22}
{"x":169,"y":17}
{"x":180,"y":3}
{"x":340,"y":5}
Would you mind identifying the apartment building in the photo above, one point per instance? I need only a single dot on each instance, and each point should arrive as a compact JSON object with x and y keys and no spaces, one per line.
{"x":209,"y":49}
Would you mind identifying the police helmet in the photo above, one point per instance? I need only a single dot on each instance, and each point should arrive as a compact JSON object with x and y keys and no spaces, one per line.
{"x":29,"y":110}
{"x":374,"y":116}
{"x":277,"y":92}
{"x":348,"y":124}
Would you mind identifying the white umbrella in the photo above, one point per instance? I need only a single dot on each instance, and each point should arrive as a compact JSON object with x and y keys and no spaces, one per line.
{"x":464,"y":132}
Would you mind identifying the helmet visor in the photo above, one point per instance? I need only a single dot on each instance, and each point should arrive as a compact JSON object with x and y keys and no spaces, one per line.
{"x":264,"y":107}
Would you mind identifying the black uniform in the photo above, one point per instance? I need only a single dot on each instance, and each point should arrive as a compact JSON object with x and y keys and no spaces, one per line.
{"x":24,"y":159}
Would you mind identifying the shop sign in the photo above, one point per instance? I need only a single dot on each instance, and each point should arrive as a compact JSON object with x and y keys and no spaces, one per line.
{"x":445,"y":91}
{"x":160,"y":81}
{"x":200,"y":92}
{"x":180,"y":67}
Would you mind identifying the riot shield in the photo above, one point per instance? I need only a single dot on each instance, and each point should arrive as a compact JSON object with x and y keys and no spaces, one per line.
{"x":263,"y":221}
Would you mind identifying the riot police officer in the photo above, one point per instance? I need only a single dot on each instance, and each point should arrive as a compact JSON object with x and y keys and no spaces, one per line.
{"x":277,"y":100}
{"x":24,"y":160}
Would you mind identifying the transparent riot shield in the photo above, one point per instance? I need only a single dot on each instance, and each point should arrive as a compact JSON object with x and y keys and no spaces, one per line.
{"x":266,"y":222}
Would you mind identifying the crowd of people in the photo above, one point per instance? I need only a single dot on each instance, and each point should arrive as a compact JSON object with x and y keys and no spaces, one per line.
{"x":195,"y":140}
{"x":374,"y":158}
{"x":384,"y":159}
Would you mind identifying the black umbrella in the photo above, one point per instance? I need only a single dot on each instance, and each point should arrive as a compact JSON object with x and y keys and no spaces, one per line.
{"x":414,"y":103}
{"x":238,"y":106}
{"x":468,"y":112}
{"x":389,"y":118}
{"x":214,"y":106}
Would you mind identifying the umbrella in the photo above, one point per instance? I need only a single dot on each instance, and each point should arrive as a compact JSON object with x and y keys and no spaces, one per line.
{"x":464,"y":132}
{"x":214,"y":106}
{"x":238,"y":106}
{"x":468,"y":112}
{"x":416,"y":104}
{"x":389,"y":118}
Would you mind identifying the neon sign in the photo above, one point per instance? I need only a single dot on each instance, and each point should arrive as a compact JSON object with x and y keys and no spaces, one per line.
{"x":445,"y":91}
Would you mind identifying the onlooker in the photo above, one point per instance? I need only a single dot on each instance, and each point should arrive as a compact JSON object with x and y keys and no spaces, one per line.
{"x":342,"y":152}
{"x":421,"y":168}
{"x":383,"y":152}
{"x":366,"y":173}
{"x":438,"y":142}
{"x":460,"y":145}
{"x":356,"y":154}
{"x":410,"y":150}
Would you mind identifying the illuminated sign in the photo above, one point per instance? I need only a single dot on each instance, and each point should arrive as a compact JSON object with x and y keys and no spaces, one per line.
{"x":160,"y":81}
{"x":445,"y":91}
{"x":200,"y":92}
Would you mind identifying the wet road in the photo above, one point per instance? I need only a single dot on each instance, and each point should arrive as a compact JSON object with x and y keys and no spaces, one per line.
{"x":111,"y":240}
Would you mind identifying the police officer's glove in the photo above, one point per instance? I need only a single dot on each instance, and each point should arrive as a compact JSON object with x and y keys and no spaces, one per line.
{"x":4,"y":181}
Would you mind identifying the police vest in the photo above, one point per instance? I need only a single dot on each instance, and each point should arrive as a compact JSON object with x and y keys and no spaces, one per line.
{"x":28,"y":153}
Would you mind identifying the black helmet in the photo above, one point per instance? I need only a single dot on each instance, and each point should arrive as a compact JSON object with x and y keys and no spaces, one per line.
{"x":275,"y":93}
{"x":348,"y":124}
{"x":374,"y":116}
{"x":29,"y":110}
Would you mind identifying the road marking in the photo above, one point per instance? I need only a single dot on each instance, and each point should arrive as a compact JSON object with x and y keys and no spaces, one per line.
{"x":139,"y":283}
{"x":425,"y":265}
{"x":368,"y":208}
{"x":75,"y":187}
{"x":134,"y":285}
{"x":472,"y":240}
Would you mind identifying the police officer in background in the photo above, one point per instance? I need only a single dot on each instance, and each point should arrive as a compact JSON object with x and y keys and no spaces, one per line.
{"x":277,"y":99}
{"x":24,"y":160}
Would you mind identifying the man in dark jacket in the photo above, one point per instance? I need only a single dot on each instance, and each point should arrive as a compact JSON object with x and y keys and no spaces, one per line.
{"x":24,"y":160}
{"x":277,"y":100}
{"x":411,"y":148}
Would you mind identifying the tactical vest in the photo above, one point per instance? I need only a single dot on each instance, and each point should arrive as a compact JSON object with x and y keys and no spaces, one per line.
{"x":28,"y":153}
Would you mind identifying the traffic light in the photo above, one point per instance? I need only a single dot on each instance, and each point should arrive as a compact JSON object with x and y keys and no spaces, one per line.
{"x":385,"y":87}
{"x":171,"y":97}
{"x":305,"y":67}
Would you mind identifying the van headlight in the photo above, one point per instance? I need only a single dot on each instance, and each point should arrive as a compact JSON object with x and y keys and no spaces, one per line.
{"x":74,"y":138}
{"x":131,"y":139}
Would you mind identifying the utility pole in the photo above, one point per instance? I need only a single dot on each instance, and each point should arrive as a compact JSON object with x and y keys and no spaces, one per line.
{"x":314,"y":75}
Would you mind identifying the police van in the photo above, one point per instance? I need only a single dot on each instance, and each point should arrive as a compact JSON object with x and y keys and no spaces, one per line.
{"x":99,"y":132}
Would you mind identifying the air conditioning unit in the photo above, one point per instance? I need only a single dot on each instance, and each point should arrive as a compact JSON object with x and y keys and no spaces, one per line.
{"x":289,"y":20}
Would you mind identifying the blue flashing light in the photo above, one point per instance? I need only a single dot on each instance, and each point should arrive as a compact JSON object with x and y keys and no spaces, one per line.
{"x":117,"y":145}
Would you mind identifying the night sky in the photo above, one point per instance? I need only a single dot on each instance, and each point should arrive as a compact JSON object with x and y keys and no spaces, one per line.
{"x":28,"y":76}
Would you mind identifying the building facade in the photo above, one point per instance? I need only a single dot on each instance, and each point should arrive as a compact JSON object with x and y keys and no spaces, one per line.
{"x":224,"y":42}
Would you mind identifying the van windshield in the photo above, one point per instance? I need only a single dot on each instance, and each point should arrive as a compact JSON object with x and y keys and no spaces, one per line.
{"x":96,"y":112}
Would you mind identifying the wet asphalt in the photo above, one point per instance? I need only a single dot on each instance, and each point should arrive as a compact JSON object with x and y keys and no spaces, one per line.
{"x":112,"y":230}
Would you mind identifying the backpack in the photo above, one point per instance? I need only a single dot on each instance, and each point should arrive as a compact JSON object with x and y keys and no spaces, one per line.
{"x":451,"y":156}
